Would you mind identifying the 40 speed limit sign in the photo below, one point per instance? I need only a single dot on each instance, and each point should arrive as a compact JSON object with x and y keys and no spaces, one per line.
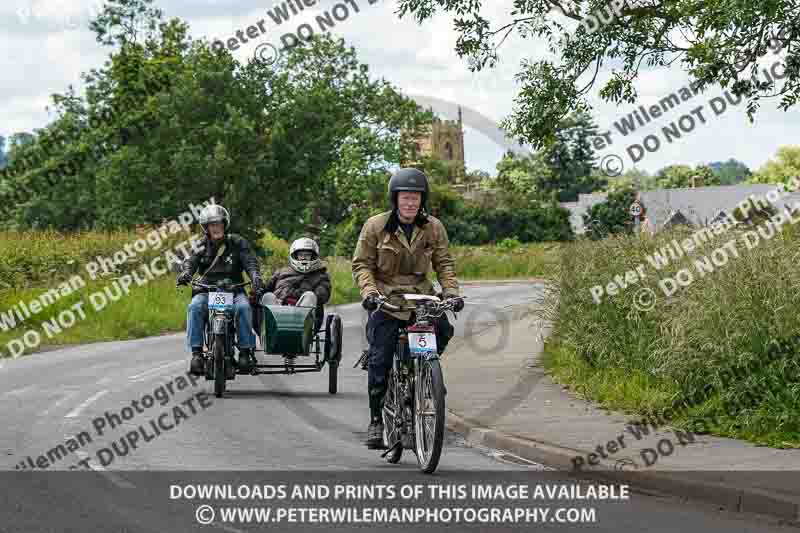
{"x":636,"y":209}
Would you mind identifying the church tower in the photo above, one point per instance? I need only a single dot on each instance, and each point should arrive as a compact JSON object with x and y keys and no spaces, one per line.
{"x":445,"y":141}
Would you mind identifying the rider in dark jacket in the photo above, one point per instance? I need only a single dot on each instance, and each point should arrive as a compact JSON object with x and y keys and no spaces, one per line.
{"x":220,"y":256}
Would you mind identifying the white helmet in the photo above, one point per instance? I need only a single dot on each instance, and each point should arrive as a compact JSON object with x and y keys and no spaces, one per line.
{"x":214,"y":213}
{"x":304,"y":244}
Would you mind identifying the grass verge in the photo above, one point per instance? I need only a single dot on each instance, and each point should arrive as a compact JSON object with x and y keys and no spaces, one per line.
{"x":719,"y":355}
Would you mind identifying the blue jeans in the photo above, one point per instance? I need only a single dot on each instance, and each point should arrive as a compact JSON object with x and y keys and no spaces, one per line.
{"x":197,"y":316}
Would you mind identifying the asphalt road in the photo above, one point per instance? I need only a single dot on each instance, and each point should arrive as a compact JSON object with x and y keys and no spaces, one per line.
{"x":265,"y":423}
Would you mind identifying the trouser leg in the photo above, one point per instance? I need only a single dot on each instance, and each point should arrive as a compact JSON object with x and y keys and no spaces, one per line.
{"x":196,"y":316}
{"x":444,"y":332}
{"x":382,"y":337}
{"x":247,"y":340}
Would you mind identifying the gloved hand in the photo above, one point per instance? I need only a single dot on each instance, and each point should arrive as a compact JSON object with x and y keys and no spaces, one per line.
{"x":258,"y":284}
{"x":184,"y":279}
{"x":370,"y":303}
{"x":458,"y":304}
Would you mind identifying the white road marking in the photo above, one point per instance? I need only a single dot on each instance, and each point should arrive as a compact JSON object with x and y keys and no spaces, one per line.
{"x":20,"y":390}
{"x":112,"y":477}
{"x":68,"y":396}
{"x":154,"y":371}
{"x":77,"y":411}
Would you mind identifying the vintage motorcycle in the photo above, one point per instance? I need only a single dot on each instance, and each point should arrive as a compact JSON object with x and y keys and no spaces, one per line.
{"x":292,"y":332}
{"x":220,"y":332}
{"x":414,"y":405}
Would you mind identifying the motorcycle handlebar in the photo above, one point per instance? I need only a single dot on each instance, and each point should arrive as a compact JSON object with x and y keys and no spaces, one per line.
{"x":226,"y":287}
{"x":383,"y":303}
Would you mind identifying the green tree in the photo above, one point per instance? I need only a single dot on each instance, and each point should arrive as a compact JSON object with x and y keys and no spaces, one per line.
{"x":2,"y":151}
{"x":630,"y":178}
{"x":521,"y":178}
{"x":20,"y":139}
{"x":169,"y":121}
{"x":611,"y":216}
{"x":682,"y":176}
{"x":571,"y":159}
{"x":721,"y":44}
{"x":16,"y":145}
{"x":784,"y":166}
{"x":730,"y":172}
{"x":564,"y":169}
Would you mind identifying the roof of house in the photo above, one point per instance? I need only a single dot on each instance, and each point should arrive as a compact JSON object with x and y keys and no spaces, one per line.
{"x":702,"y":205}
{"x":699,"y":206}
{"x":676,"y":218}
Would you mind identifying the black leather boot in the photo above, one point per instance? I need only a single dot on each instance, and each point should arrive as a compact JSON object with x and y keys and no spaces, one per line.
{"x":196,"y":367}
{"x":247,"y":360}
{"x":375,"y":429}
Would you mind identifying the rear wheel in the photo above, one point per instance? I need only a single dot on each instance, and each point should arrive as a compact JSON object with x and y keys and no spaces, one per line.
{"x":334,"y":355}
{"x":391,"y":419}
{"x":429,"y":415}
{"x":219,"y":365}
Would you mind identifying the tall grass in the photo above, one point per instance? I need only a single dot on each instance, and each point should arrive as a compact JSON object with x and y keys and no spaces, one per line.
{"x":39,"y":258}
{"x":151,"y":309}
{"x":539,"y":260}
{"x":721,"y":354}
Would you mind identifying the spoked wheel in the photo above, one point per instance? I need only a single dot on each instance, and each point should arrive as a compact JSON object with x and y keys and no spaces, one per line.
{"x":335,"y":354}
{"x":429,"y":416}
{"x":391,"y":420}
{"x":219,"y":365}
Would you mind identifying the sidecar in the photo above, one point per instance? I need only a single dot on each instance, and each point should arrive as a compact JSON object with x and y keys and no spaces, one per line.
{"x":305,"y":342}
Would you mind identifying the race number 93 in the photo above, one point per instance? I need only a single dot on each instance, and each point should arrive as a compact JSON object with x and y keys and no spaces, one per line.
{"x":220,"y":300}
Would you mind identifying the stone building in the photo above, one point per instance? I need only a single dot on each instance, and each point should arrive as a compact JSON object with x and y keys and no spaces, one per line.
{"x":444,"y":141}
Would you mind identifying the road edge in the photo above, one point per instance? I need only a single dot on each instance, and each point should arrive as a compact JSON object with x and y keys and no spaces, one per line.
{"x":727,"y":497}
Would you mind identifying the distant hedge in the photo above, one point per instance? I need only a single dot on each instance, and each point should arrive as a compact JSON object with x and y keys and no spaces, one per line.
{"x":470,"y":224}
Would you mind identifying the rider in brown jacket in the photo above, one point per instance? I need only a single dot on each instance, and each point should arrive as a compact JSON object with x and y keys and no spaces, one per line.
{"x":395,"y":254}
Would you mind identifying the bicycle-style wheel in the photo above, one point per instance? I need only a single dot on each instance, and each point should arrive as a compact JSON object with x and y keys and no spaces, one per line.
{"x":335,"y":353}
{"x":429,"y":414}
{"x":219,"y":365}
{"x":392,"y":418}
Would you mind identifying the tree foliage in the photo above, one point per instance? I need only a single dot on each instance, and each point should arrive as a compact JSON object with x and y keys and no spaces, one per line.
{"x":169,"y":121}
{"x":684,"y":176}
{"x":730,"y":172}
{"x":562,"y":170}
{"x":780,"y":169}
{"x":611,"y":216}
{"x":717,"y":43}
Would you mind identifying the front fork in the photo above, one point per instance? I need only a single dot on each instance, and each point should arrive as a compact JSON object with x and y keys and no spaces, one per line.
{"x":409,"y":369}
{"x":220,"y":323}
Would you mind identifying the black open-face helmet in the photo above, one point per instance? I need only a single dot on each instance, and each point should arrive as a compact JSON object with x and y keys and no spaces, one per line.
{"x":408,"y":179}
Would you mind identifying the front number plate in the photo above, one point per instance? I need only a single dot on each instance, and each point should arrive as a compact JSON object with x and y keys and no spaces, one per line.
{"x":220,"y":300}
{"x":422,"y":344}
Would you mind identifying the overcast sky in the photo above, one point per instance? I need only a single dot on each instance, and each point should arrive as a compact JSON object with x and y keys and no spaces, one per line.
{"x":48,"y":45}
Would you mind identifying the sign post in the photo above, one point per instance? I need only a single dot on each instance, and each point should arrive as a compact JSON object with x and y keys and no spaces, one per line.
{"x":636,"y":212}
